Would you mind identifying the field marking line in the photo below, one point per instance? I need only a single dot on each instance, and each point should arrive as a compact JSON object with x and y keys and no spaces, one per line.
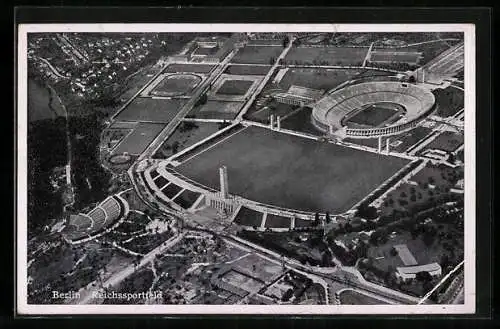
{"x":130,"y":131}
{"x":212,"y":146}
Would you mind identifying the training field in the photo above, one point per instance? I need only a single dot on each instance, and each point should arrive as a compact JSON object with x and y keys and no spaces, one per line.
{"x":395,"y":56}
{"x":192,"y":68}
{"x":326,"y":55}
{"x":137,"y":141}
{"x":247,"y":69}
{"x":257,"y":54}
{"x":235,"y":87}
{"x":214,"y":109}
{"x":177,"y":84}
{"x":447,"y":141}
{"x":325,"y":79}
{"x":150,"y":109}
{"x":291,"y":171}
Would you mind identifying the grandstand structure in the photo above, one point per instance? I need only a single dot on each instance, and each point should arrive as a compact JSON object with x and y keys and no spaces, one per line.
{"x":298,"y":95}
{"x":85,"y":226}
{"x":168,"y":186}
{"x":329,"y":113}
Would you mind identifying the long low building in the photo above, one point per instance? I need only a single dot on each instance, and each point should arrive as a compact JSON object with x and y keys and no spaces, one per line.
{"x":408,"y":273}
{"x":297,"y":95}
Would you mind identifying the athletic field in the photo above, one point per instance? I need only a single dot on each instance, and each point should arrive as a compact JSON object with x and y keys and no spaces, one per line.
{"x":257,"y":54}
{"x":290,"y":171}
{"x":326,"y":55}
{"x":151,"y":109}
{"x":137,"y":141}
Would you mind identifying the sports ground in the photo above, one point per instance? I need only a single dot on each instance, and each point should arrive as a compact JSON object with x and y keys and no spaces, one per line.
{"x":290,"y":171}
{"x":326,"y":55}
{"x":152,"y":110}
{"x":137,"y":141}
{"x":176,"y":84}
{"x":257,"y":54}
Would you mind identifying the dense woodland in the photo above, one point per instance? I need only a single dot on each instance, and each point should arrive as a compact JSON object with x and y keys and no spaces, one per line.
{"x":47,"y":150}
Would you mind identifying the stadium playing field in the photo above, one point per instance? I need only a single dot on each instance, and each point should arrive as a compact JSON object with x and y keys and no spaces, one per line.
{"x":291,"y":171}
{"x":374,"y":115}
{"x":150,"y":109}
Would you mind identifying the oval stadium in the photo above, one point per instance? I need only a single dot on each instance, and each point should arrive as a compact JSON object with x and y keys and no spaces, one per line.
{"x":372,"y":109}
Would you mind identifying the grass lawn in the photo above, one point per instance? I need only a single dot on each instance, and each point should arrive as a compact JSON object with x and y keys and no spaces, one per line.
{"x":176,"y":85}
{"x":257,"y":54}
{"x":351,"y":297}
{"x":235,"y":87}
{"x":410,"y":138}
{"x":374,"y":115}
{"x":325,"y":79}
{"x":149,"y":109}
{"x":326,"y":55}
{"x":143,"y":134}
{"x":449,"y":101}
{"x":290,"y":171}
{"x":248,"y":217}
{"x":193,"y":68}
{"x":301,"y":121}
{"x":394,"y":56}
{"x":447,"y":141}
{"x":187,"y":198}
{"x":185,"y":135}
{"x":247,"y":69}
{"x":428,"y":50}
{"x":275,"y":221}
{"x":215,"y":109}
{"x":407,"y":139}
{"x":278,"y":109}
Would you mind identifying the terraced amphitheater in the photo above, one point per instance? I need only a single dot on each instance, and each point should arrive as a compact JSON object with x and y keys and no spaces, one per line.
{"x":388,"y":108}
{"x":84,"y":226}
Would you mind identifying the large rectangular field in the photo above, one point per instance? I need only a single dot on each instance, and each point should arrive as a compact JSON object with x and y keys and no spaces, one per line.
{"x":447,"y":141}
{"x":215,"y":109}
{"x":151,"y":109}
{"x":257,"y":54}
{"x":137,"y":141}
{"x":290,"y":171}
{"x":395,"y":56}
{"x":325,"y":79}
{"x":326,"y":55}
{"x":247,"y":69}
{"x":191,"y":68}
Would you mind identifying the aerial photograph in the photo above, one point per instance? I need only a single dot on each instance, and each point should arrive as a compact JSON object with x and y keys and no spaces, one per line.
{"x":258,"y":168}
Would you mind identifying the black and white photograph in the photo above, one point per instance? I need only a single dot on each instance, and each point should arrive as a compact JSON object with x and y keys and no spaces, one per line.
{"x":246,"y":168}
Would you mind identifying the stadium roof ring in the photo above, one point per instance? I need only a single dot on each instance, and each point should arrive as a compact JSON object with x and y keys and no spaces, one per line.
{"x":330,"y":112}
